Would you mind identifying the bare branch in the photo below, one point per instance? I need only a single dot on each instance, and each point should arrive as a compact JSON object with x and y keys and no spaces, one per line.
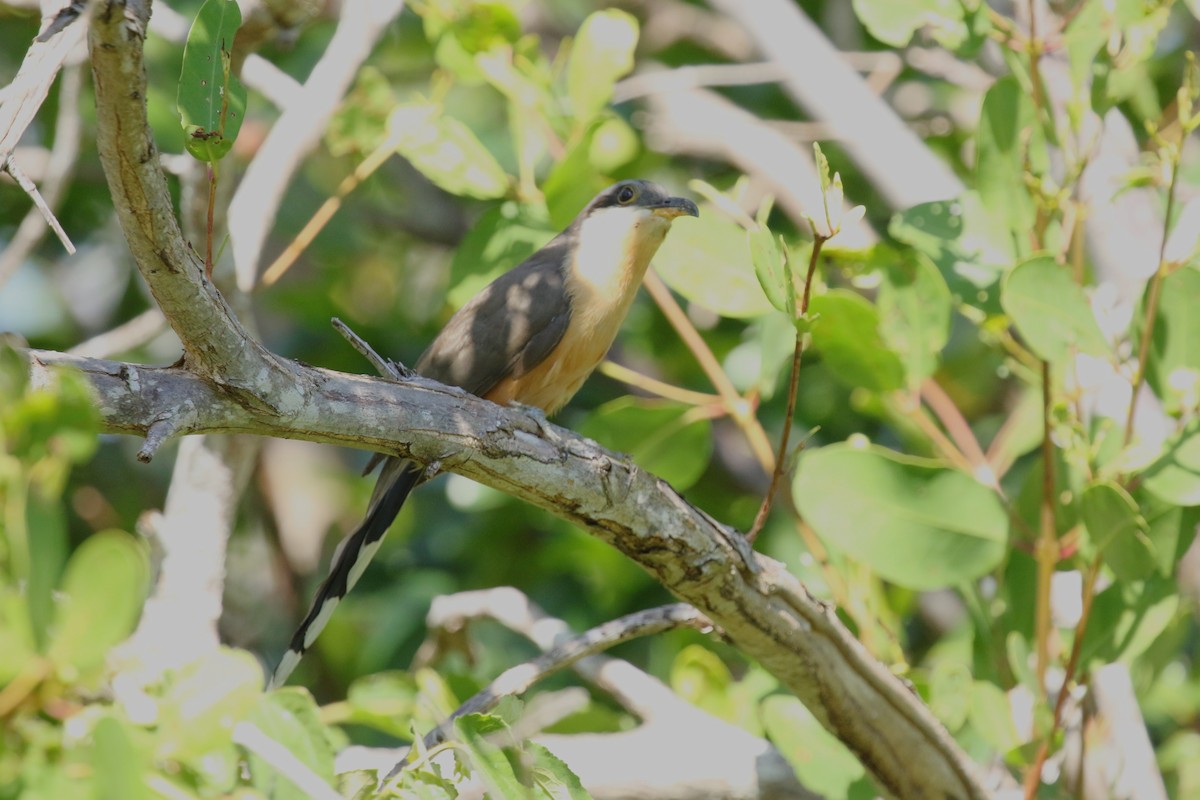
{"x":520,"y":678}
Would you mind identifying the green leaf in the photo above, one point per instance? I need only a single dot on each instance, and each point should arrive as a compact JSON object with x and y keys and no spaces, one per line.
{"x":602,"y":54}
{"x":211,"y":100}
{"x":552,"y":777}
{"x":46,"y":532}
{"x":502,"y":238}
{"x":1173,"y":368}
{"x":573,"y":182}
{"x":117,"y":766}
{"x":966,"y":243}
{"x":102,"y":594}
{"x":707,"y":264}
{"x":914,"y":314}
{"x":771,"y":270}
{"x":663,"y":437}
{"x":950,"y":687}
{"x":290,"y":717}
{"x":846,"y":334}
{"x":917,"y":525}
{"x":1127,"y":618}
{"x":446,"y":151}
{"x":17,"y":647}
{"x":991,"y":716}
{"x":1118,"y":530}
{"x":699,"y":676}
{"x":1000,"y":167}
{"x":492,"y":765}
{"x":894,"y":22}
{"x":1050,"y":311}
{"x":1175,"y":475}
{"x":822,"y":763}
{"x":1171,"y":528}
{"x":201,"y":706}
{"x":385,"y":701}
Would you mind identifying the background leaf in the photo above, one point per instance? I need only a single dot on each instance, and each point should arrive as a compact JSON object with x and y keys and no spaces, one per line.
{"x":914,"y":314}
{"x":915,"y":524}
{"x":663,"y":437}
{"x":1050,"y":311}
{"x":846,"y":334}
{"x":602,"y":53}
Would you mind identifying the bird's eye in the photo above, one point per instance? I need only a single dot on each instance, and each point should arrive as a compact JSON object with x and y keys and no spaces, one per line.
{"x":626,"y":195}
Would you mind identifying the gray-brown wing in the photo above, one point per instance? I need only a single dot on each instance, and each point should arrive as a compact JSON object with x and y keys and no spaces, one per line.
{"x":507,"y":329}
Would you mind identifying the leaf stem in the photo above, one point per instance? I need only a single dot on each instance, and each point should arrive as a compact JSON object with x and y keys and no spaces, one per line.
{"x":760,"y":519}
{"x":208,"y":230}
{"x":630,"y":377}
{"x":1156,"y":282}
{"x":1046,"y":550}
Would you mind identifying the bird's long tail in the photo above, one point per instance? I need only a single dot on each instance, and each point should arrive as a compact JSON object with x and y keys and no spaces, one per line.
{"x":396,"y":481}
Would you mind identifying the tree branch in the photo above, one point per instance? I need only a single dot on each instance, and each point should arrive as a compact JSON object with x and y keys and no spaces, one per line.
{"x":760,"y":605}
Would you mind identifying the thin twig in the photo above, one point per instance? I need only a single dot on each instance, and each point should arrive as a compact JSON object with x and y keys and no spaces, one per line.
{"x":385,"y":367}
{"x":1046,"y":551}
{"x":517,"y":680}
{"x":738,"y":406}
{"x":760,"y":519}
{"x":10,"y":166}
{"x":667,"y":391}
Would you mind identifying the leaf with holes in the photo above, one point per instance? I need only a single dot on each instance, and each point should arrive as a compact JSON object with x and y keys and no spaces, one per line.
{"x":211,"y":99}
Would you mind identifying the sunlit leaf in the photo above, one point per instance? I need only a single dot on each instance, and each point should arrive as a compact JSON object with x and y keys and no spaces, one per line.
{"x":500,"y":239}
{"x":991,"y":716}
{"x":916,"y":524}
{"x":602,"y":53}
{"x":446,"y":151}
{"x":1050,"y":311}
{"x":211,"y":99}
{"x":291,"y":718}
{"x":894,"y":22}
{"x":822,"y":763}
{"x":706,"y":261}
{"x":102,"y":593}
{"x":553,"y":778}
{"x":772,"y":272}
{"x":847,"y":336}
{"x":1127,"y":617}
{"x":201,"y":706}
{"x":117,"y":765}
{"x":1175,"y":475}
{"x":476,"y":733}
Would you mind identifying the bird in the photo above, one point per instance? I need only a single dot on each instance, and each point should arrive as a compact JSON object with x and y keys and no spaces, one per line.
{"x":531,"y":337}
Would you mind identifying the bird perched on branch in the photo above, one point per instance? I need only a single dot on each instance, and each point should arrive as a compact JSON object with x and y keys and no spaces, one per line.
{"x":531,"y":337}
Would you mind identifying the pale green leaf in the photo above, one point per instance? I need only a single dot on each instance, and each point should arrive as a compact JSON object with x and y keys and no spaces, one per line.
{"x":1118,"y":530}
{"x":847,"y":336}
{"x":602,"y":54}
{"x":446,"y":151}
{"x":822,"y":763}
{"x":914,"y":314}
{"x":917,"y":525}
{"x":1004,"y":124}
{"x":1050,"y":311}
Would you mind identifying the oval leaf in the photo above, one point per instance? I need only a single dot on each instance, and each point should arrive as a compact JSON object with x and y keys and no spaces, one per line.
{"x":1118,"y":530}
{"x":211,"y":100}
{"x":846,"y":334}
{"x":917,"y":525}
{"x":1050,"y":311}
{"x":771,"y":270}
{"x":914,"y":314}
{"x":602,"y":53}
{"x":1175,"y":475}
{"x":446,"y":151}
{"x":103,"y":590}
{"x":1173,"y":369}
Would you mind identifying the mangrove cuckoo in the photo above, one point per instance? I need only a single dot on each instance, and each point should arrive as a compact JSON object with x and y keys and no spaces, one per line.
{"x":531,"y":337}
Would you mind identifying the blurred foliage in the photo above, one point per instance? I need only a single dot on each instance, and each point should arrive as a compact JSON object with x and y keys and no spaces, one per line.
{"x":920,"y":404}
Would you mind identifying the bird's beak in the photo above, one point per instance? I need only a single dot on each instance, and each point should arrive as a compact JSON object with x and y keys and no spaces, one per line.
{"x":674,"y":207}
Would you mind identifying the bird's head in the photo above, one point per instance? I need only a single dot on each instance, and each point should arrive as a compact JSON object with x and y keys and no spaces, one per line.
{"x":638,"y":200}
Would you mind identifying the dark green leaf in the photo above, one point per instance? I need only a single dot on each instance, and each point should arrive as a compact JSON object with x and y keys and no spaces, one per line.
{"x":917,"y":525}
{"x":573,"y":182}
{"x":1171,"y":528}
{"x":502,"y":238}
{"x":602,"y":53}
{"x":914,"y":314}
{"x":847,"y":336}
{"x":1127,"y":617}
{"x":211,"y":100}
{"x":1118,"y":530}
{"x":102,"y":594}
{"x":1050,"y":311}
{"x":666,"y":438}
